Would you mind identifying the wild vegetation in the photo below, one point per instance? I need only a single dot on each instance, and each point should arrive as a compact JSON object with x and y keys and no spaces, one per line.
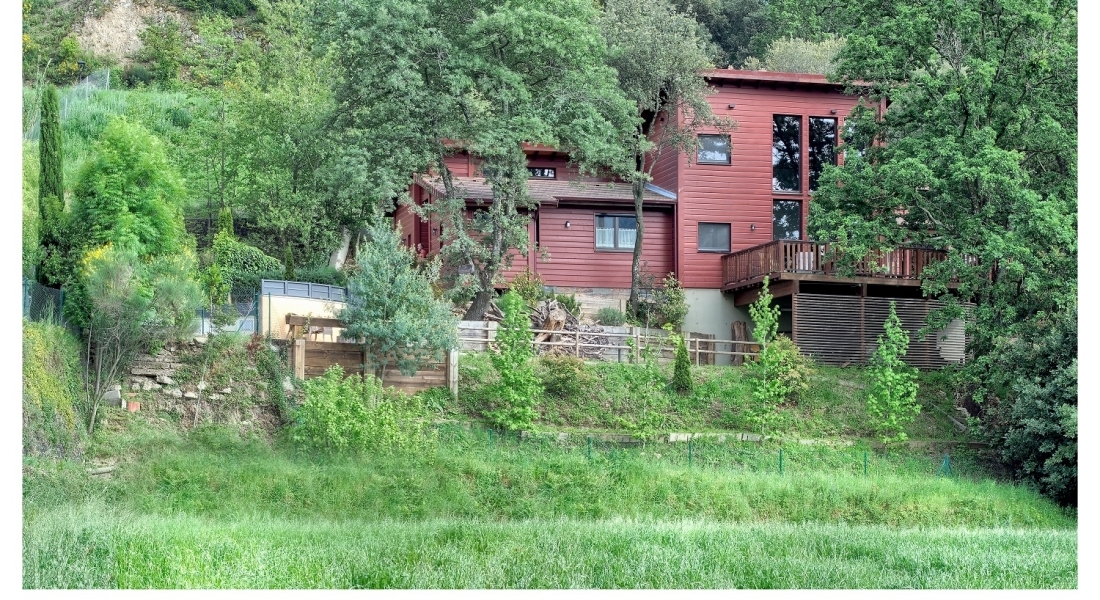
{"x":252,"y":139}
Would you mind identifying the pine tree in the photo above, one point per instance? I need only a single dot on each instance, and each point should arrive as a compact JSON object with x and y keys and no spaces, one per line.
{"x":681,"y":374}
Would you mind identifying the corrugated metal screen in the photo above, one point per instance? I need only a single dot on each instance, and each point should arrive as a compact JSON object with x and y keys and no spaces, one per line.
{"x":845,"y":329}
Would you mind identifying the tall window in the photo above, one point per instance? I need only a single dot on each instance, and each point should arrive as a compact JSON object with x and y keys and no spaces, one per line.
{"x":822,"y":147}
{"x":616,"y":232}
{"x":786,"y":220}
{"x":714,"y":237}
{"x":713,"y":150}
{"x":786,"y":153}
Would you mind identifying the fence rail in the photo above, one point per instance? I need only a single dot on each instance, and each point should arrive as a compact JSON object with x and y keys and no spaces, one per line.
{"x":699,"y":348}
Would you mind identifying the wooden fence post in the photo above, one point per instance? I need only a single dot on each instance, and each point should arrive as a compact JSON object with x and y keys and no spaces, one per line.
{"x":578,"y":340}
{"x":452,"y":372}
{"x":300,"y":358}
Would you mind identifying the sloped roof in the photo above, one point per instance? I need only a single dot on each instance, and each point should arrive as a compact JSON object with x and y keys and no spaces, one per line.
{"x":552,"y":191}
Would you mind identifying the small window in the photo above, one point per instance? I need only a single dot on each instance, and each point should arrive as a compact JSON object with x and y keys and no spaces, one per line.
{"x":786,"y":220}
{"x":616,"y":232}
{"x":542,"y":172}
{"x":714,"y":237}
{"x":822,"y":147}
{"x":786,"y":153}
{"x":713,"y":150}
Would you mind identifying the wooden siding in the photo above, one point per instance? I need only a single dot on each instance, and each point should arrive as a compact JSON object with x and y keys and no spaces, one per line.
{"x":574,"y":260}
{"x":317,"y":357}
{"x":741,"y":193}
{"x":840,"y":330}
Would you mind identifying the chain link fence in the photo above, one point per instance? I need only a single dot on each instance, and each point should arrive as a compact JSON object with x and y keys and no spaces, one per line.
{"x":41,"y":303}
{"x":241,"y":315}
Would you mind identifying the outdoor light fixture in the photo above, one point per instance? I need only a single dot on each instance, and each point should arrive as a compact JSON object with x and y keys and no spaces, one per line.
{"x":752,"y":227}
{"x":733,"y":105}
{"x":832,"y":112}
{"x":567,"y":224}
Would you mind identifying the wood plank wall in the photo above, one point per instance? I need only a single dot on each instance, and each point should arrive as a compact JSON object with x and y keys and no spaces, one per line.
{"x":840,"y":330}
{"x":311,"y":359}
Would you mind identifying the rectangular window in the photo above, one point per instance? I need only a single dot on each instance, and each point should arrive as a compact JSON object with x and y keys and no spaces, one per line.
{"x":542,"y":172}
{"x":822,"y":147}
{"x":713,"y":150}
{"x":786,"y":153}
{"x":714,"y":237}
{"x":616,"y":232}
{"x":786,"y":220}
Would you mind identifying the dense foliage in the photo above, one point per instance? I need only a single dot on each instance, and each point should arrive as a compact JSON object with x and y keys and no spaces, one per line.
{"x":240,"y":263}
{"x":357,"y":414}
{"x":979,"y":153}
{"x":519,"y":390}
{"x":51,"y":188}
{"x":779,"y":373}
{"x":53,"y":407}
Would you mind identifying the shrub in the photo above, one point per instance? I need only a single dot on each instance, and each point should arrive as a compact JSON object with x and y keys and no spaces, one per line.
{"x":681,"y":373}
{"x":780,"y":372}
{"x":519,"y":387}
{"x":52,"y":420}
{"x":225,"y":221}
{"x":137,"y":76}
{"x":611,"y":317}
{"x":358,"y":414}
{"x":892,"y":401}
{"x":239,"y":262}
{"x":565,"y":377}
{"x":569,"y":302}
{"x":670,"y":303}
{"x":529,"y":286}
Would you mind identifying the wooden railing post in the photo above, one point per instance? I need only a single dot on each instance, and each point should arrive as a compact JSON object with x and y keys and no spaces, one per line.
{"x":300,"y":358}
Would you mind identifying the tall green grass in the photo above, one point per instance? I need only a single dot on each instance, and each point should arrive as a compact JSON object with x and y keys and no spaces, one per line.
{"x":465,"y":477}
{"x":98,"y":546}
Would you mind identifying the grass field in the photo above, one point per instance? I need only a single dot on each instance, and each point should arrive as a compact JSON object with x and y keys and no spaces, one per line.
{"x":213,"y":510}
{"x":93,"y":546}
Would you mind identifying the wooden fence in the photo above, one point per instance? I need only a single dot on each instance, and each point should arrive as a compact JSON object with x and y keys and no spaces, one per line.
{"x":702,"y":348}
{"x":309,"y":358}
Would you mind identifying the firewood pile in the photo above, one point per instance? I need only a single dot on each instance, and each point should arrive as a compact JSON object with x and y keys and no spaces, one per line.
{"x":551,"y":316}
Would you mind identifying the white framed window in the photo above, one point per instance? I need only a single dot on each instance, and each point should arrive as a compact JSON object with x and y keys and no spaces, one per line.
{"x":616,"y":232}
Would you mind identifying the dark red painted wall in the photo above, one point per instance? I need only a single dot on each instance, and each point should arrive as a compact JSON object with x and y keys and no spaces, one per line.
{"x":741,"y":193}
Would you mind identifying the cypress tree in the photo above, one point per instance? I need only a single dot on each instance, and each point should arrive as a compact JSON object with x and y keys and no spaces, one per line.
{"x":50,"y":181}
{"x":225,"y":221}
{"x":289,"y":260}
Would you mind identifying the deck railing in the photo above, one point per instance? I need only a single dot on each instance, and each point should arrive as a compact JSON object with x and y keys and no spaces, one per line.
{"x":792,"y":256}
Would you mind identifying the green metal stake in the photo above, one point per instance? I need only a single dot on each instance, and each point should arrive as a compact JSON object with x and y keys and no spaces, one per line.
{"x":490,"y":438}
{"x":780,"y":461}
{"x":589,"y":447}
{"x":689,"y":452}
{"x":864,"y":463}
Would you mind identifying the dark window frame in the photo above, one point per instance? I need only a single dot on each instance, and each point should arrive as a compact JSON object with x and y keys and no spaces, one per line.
{"x":699,"y":238}
{"x":799,"y":152}
{"x":811,"y":183}
{"x":729,"y":150}
{"x":797,"y":201}
{"x":615,"y":235}
{"x":531,"y":173}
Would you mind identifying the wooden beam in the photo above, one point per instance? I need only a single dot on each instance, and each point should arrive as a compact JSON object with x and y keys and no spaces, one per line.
{"x":777,"y":290}
{"x":292,"y":319}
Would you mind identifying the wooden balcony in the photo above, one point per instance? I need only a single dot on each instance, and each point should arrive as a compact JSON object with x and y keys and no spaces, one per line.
{"x":806,"y":261}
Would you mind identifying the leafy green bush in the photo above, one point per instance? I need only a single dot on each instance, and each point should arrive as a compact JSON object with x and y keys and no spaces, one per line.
{"x":892,"y":401}
{"x":569,"y":302}
{"x":357,"y":414}
{"x":519,"y":388}
{"x":609,"y":316}
{"x":137,"y":76}
{"x":52,"y":417}
{"x":233,"y":8}
{"x":529,"y":286}
{"x":670,"y":302}
{"x":564,"y":377}
{"x":779,"y":372}
{"x":647,"y":385}
{"x":239,"y":262}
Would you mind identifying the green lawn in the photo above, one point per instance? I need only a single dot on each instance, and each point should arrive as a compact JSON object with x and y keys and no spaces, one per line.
{"x":212,"y":510}
{"x":92,"y":546}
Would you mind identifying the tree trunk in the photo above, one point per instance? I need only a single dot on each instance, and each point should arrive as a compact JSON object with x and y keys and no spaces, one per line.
{"x":478,"y":307}
{"x":635,"y":266}
{"x":336,"y":260}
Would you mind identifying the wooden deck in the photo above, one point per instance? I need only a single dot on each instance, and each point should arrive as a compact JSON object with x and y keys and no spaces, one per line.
{"x":807,"y":261}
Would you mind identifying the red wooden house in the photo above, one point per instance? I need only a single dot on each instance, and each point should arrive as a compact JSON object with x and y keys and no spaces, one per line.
{"x":721,"y":221}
